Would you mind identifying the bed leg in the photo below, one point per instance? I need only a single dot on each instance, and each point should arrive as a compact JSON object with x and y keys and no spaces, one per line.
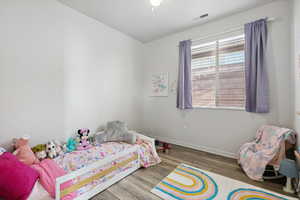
{"x":57,"y":190}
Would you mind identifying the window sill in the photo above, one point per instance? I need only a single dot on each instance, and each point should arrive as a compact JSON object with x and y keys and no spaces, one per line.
{"x":219,"y":108}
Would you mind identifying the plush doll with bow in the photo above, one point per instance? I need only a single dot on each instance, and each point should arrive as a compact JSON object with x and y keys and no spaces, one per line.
{"x":83,"y":142}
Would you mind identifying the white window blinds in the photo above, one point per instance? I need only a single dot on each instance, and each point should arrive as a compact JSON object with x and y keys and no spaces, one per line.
{"x":218,"y":73}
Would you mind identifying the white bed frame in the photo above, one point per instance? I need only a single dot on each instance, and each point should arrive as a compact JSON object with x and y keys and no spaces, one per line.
{"x":98,"y":164}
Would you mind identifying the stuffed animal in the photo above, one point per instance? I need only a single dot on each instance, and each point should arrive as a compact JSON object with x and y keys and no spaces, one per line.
{"x":23,"y":152}
{"x":2,"y":150}
{"x":40,"y":151}
{"x":60,"y":147}
{"x":51,"y":150}
{"x":83,"y":142}
{"x":64,"y":147}
{"x":71,"y":145}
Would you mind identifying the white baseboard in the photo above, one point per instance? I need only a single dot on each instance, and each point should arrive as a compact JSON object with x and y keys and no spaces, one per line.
{"x":197,"y":147}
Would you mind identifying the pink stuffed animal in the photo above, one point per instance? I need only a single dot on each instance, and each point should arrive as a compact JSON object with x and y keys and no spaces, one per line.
{"x":83,"y":143}
{"x":24,"y":152}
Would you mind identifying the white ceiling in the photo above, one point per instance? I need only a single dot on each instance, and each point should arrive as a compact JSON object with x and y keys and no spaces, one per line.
{"x":135,"y":17}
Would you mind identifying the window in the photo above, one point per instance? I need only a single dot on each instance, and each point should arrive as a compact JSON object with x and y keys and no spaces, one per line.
{"x":218,"y":73}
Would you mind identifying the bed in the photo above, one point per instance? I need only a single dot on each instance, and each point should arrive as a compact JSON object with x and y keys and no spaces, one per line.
{"x":92,"y":171}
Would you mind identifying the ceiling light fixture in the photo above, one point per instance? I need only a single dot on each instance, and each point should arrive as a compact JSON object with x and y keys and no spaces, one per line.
{"x":155,"y":3}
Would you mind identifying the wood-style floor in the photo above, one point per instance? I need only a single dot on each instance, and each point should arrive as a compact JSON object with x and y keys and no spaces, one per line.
{"x":138,"y":185}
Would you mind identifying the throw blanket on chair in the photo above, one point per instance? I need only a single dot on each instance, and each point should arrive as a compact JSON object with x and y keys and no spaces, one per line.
{"x":268,"y":148}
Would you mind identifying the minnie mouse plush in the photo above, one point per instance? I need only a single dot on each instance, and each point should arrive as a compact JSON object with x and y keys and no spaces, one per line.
{"x":83,"y":143}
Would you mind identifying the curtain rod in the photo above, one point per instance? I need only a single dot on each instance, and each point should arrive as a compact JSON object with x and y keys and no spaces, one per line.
{"x":227,"y":31}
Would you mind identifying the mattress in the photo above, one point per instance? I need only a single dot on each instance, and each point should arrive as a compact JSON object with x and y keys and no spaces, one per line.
{"x":76,"y":160}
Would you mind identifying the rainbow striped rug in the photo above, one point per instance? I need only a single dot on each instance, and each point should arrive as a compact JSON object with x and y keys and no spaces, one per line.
{"x":190,"y":183}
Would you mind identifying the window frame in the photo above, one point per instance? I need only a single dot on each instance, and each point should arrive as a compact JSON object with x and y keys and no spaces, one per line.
{"x":217,"y":40}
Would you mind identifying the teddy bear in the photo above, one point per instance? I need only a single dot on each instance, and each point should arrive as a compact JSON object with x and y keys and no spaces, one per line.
{"x":83,"y":142}
{"x":40,"y":151}
{"x":51,"y":150}
{"x":23,"y":151}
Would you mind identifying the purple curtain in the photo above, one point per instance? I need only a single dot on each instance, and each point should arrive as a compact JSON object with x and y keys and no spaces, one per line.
{"x":257,"y":92}
{"x":184,"y":89}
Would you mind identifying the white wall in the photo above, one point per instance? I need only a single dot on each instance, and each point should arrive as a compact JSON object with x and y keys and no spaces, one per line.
{"x":31,"y":70}
{"x":60,"y":70}
{"x":220,"y":131}
{"x":102,"y":74}
{"x":296,"y":62}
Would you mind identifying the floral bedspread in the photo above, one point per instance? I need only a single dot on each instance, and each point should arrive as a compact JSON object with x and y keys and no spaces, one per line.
{"x":269,"y":144}
{"x":78,"y":159}
{"x":148,"y":154}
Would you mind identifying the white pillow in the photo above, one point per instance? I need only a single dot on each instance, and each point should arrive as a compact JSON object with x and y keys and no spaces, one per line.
{"x":116,"y":131}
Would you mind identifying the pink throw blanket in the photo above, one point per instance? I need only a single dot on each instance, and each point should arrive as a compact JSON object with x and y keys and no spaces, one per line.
{"x":268,"y":147}
{"x":48,"y":172}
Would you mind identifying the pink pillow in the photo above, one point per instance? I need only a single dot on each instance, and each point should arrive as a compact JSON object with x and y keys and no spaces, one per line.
{"x":16,"y":179}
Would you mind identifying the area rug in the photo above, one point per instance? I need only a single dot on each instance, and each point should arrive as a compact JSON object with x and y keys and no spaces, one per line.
{"x":190,"y":183}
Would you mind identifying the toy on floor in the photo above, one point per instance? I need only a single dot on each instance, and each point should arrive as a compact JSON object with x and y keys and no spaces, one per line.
{"x":83,"y":142}
{"x":23,"y":151}
{"x":51,"y":150}
{"x":163,"y":146}
{"x":40,"y":151}
{"x":71,"y":145}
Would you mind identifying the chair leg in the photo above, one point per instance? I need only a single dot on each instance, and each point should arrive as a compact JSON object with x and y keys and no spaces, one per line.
{"x":276,"y":172}
{"x":288,"y":186}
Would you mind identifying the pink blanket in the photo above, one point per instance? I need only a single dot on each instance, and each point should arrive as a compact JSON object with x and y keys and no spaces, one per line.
{"x":269,"y":144}
{"x":48,"y":172}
